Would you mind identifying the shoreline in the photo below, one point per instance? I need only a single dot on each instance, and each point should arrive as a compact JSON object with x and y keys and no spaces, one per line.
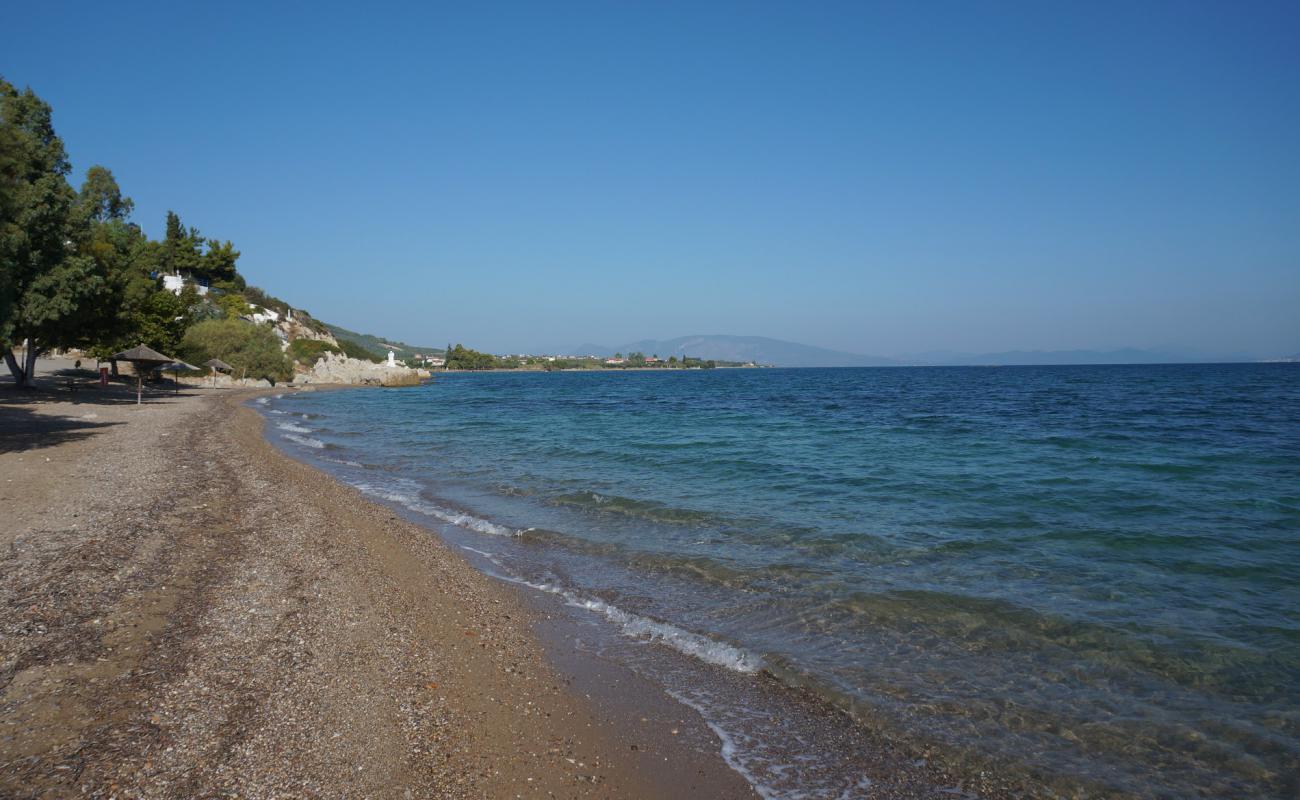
{"x":208,"y":615}
{"x":608,"y":730}
{"x":871,"y":754}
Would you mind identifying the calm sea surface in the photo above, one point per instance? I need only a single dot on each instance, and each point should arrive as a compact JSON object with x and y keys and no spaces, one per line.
{"x":1092,"y":573}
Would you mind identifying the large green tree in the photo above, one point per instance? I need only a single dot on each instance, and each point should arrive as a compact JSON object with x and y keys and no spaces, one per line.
{"x":123,"y":254}
{"x":48,"y":288}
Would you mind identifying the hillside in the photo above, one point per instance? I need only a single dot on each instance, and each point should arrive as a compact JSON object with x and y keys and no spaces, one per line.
{"x":377,"y":346}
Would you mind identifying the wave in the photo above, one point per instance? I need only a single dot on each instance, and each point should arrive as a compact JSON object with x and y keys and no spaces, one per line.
{"x":289,"y":426}
{"x":414,"y":503}
{"x":305,"y":441}
{"x":708,"y":650}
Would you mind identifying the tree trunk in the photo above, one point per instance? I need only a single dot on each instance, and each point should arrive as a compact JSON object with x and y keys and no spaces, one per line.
{"x":20,"y":378}
{"x":32,"y":352}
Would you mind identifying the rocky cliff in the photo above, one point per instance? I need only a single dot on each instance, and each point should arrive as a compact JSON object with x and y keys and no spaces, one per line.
{"x":338,"y":368}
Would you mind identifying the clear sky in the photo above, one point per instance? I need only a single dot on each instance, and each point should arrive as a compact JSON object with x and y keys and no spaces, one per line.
{"x":879,"y":178}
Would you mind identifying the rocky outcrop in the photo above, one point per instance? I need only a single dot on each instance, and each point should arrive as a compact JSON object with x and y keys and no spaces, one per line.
{"x":293,"y":328}
{"x":338,"y":368}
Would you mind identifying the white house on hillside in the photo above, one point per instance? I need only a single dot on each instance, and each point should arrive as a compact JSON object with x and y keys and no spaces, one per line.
{"x":176,"y":283}
{"x":264,"y":315}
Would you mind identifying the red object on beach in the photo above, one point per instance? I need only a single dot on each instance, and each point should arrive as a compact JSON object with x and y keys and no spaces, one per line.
{"x":103,"y":376}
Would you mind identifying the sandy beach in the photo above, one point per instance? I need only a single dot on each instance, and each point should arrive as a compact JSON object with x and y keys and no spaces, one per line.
{"x":185,"y":612}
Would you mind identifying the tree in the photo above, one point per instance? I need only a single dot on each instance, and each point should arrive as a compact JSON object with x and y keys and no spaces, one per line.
{"x":48,"y":287}
{"x":461,"y":357}
{"x":218,"y":264}
{"x":181,"y":250}
{"x":122,"y":253}
{"x":159,"y":322}
{"x":101,"y":199}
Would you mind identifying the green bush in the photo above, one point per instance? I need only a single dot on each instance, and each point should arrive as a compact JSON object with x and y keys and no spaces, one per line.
{"x":253,"y":350}
{"x":309,"y":351}
{"x":233,"y":306}
{"x":353,"y":349}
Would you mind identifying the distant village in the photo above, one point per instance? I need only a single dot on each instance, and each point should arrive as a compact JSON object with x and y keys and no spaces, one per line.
{"x":459,"y":358}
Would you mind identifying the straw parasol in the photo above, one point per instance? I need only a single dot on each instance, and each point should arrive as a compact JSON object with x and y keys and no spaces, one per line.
{"x":142,"y":358}
{"x":175,"y":368}
{"x":217,"y":365}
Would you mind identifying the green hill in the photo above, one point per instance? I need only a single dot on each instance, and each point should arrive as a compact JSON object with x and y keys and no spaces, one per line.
{"x":379,"y":347}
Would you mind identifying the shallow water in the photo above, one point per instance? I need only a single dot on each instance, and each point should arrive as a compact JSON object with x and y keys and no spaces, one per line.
{"x":1088,"y":572}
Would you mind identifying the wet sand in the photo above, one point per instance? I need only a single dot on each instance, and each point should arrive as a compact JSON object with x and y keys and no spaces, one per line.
{"x":185,"y":612}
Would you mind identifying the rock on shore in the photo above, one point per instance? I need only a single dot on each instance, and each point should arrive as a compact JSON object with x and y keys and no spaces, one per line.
{"x":338,"y":368}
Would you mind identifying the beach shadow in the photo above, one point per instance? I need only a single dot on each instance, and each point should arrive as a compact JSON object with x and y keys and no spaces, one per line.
{"x":77,"y":389}
{"x":24,"y":429}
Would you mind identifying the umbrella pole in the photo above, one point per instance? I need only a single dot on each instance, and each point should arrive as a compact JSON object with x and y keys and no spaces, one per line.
{"x":139,"y":387}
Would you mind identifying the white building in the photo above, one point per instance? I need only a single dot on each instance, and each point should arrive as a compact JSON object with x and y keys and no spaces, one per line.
{"x":176,"y":284}
{"x":261,"y":315}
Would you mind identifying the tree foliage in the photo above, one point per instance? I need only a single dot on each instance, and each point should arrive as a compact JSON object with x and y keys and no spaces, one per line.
{"x":253,"y":350}
{"x":461,"y":357}
{"x":48,"y":287}
{"x":74,"y":270}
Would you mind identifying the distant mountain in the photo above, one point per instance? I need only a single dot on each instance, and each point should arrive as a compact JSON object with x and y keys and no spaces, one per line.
{"x":1126,"y":355}
{"x":759,"y":349}
{"x":589,"y":349}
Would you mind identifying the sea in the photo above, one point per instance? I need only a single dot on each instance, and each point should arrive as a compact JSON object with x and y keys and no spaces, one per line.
{"x":1088,"y":576}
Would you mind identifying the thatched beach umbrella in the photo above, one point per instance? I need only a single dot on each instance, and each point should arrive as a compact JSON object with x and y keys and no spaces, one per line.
{"x":217,"y":365}
{"x":142,"y":358}
{"x":175,"y":368}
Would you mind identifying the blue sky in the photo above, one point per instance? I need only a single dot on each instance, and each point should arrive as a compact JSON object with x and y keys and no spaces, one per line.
{"x":880,"y":178}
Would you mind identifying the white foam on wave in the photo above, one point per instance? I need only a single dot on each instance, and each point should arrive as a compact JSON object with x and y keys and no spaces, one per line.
{"x":305,"y":441}
{"x":263,"y":400}
{"x":485,"y":554}
{"x":710,"y":651}
{"x":289,"y":426}
{"x":746,"y":753}
{"x":731,"y":752}
{"x":414,"y":503}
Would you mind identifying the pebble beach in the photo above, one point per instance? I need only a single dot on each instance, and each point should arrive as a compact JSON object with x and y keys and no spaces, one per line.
{"x":185,"y":612}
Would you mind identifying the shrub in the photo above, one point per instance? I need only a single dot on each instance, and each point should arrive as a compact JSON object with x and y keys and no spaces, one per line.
{"x":253,"y":350}
{"x":353,"y":349}
{"x":232,"y":305}
{"x":309,"y":351}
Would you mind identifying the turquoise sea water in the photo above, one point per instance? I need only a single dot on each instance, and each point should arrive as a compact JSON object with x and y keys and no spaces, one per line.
{"x":1092,"y":573}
